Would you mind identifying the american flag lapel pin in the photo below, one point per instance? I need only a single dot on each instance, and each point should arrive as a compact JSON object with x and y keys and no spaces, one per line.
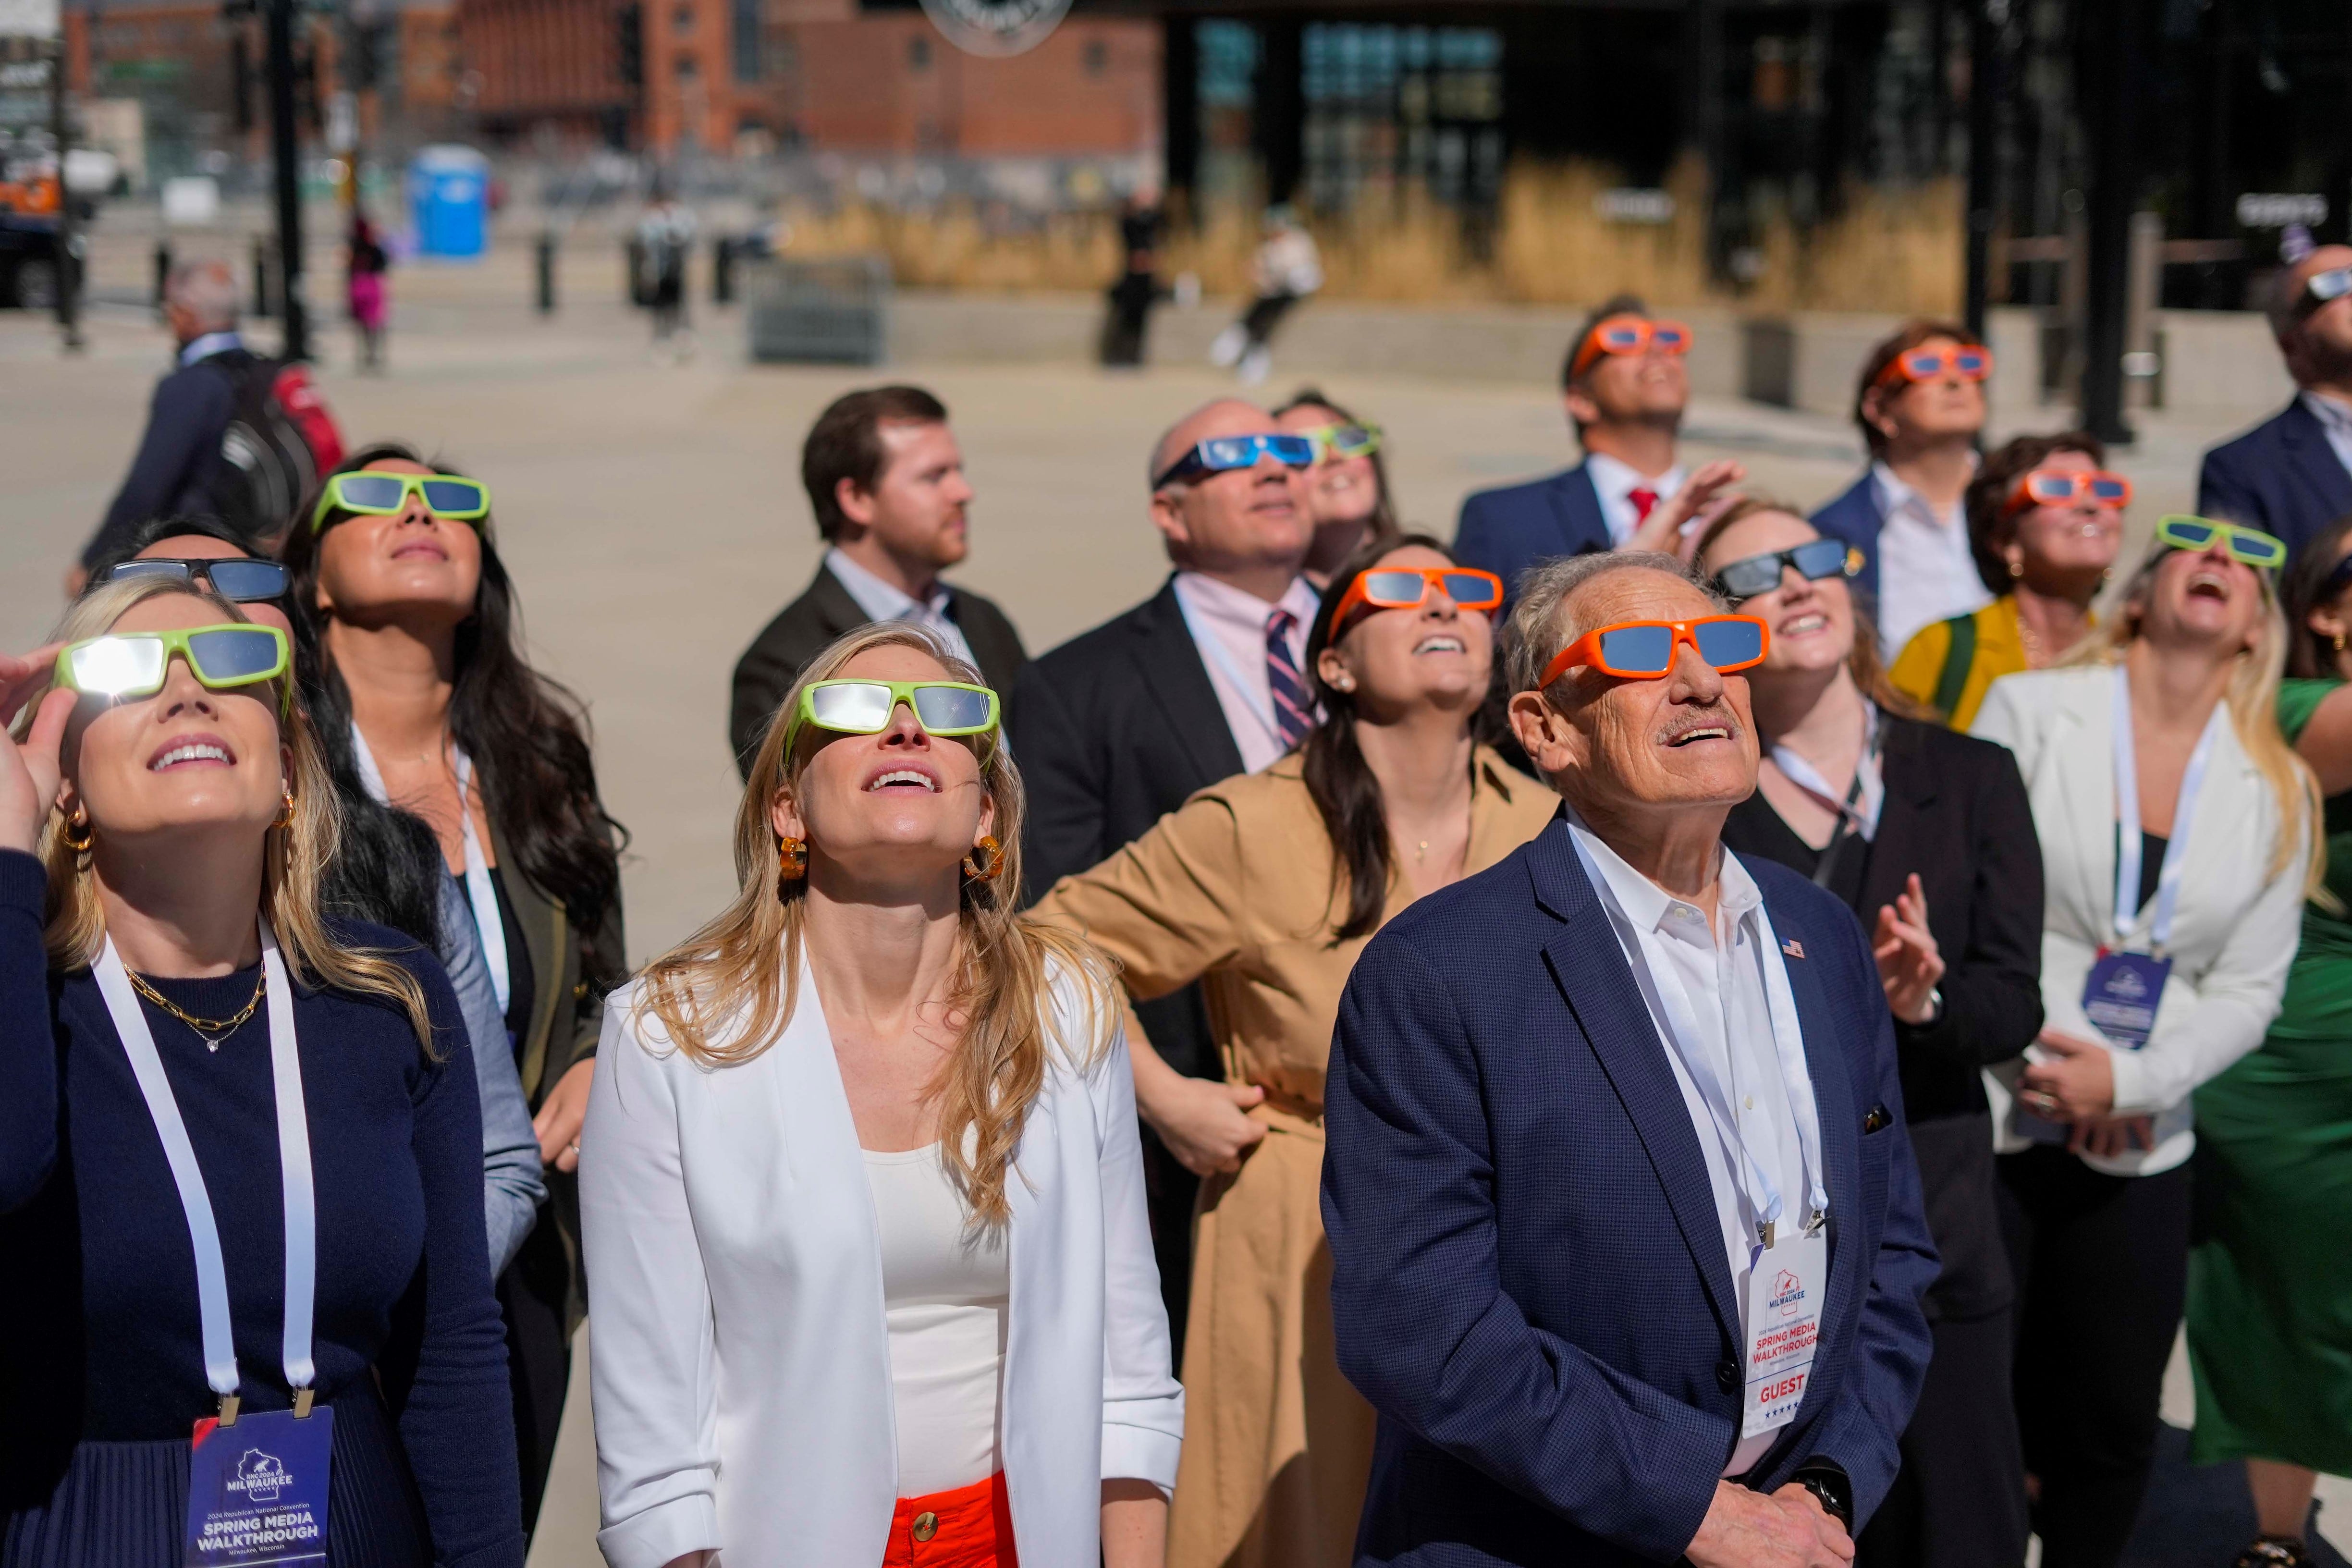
{"x":1793,"y":948}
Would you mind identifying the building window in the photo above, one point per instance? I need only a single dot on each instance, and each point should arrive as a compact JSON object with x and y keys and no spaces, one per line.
{"x":749,"y":30}
{"x":918,"y":53}
{"x":687,"y":69}
{"x":1227,"y":91}
{"x":1096,"y":58}
{"x":1391,"y":107}
{"x":681,"y":20}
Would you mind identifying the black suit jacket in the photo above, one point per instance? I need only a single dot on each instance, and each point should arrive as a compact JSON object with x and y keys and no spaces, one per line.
{"x":774,"y":661}
{"x":1956,"y":813}
{"x":2282,"y":477}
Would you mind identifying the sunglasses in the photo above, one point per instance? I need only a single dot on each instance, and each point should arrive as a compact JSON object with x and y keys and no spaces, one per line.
{"x":246,"y":582}
{"x":1344,"y":440}
{"x":2324,"y":288}
{"x":1814,"y":560}
{"x":135,"y":664}
{"x":1968,"y":363}
{"x":384,"y":495}
{"x":946,"y":709}
{"x":2248,"y":546}
{"x":1222,"y":454}
{"x":2065,"y":487}
{"x":1644,"y":650}
{"x":1630,"y":335}
{"x":1408,"y":588}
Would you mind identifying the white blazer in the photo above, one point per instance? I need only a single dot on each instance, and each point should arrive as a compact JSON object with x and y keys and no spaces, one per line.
{"x":2234,"y":934}
{"x":741,"y":1361}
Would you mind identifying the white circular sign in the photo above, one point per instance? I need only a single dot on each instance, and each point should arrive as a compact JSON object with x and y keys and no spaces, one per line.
{"x":996,"y":27}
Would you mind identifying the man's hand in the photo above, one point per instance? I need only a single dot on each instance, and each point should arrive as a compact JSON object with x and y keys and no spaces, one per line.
{"x":560,"y":1116}
{"x":1788,"y":1530}
{"x":2078,"y":1084}
{"x":1202,"y":1121}
{"x":1910,"y":965}
{"x":1674,"y":524}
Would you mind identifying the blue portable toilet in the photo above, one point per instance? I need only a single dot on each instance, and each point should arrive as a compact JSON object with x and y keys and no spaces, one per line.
{"x":449,"y":198}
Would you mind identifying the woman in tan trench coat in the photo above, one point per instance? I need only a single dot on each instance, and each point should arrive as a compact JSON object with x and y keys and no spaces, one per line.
{"x":1264,"y":888}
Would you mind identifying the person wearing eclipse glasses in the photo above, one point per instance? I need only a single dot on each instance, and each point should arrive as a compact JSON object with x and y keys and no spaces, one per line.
{"x":2178,"y":840}
{"x":1348,"y":489}
{"x":1264,"y":889}
{"x":415,"y":675}
{"x":1604,"y":1113}
{"x":1928,"y":837}
{"x":861,"y":1181}
{"x":2045,"y":522}
{"x":241,"y":1168}
{"x":1625,"y":385}
{"x":2292,"y":475}
{"x":1920,"y":406}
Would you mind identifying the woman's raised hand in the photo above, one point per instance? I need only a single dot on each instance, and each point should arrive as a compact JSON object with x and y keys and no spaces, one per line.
{"x":29,"y":771}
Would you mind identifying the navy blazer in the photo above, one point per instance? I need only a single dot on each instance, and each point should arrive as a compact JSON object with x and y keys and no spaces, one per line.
{"x":2281,"y":477}
{"x":179,"y":460}
{"x":1509,"y":530}
{"x":1856,"y":516}
{"x":1529,"y":1275}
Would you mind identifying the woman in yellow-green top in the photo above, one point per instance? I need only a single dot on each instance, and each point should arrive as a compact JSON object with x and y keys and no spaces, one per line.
{"x":2045,"y":521}
{"x":2270,"y":1277}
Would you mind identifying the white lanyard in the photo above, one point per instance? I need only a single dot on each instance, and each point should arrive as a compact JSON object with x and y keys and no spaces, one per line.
{"x":293,"y":1163}
{"x":1858,"y":808}
{"x":479,"y":893}
{"x":2128,"y":843}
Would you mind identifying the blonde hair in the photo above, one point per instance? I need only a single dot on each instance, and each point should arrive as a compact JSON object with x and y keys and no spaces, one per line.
{"x":2252,"y":701}
{"x":725,"y":994}
{"x":294,"y":856}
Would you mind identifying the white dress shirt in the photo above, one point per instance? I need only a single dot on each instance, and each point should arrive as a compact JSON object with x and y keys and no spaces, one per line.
{"x":1925,"y":573}
{"x":2336,"y":418}
{"x":1731,"y":981}
{"x":883,"y":602}
{"x":1616,"y":481}
{"x":1228,"y":625}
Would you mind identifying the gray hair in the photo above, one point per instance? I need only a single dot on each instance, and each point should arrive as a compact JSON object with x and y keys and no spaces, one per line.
{"x":1541,"y":625}
{"x":207,"y":291}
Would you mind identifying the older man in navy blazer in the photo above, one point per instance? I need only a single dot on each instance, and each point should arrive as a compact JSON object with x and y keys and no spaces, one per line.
{"x":1627,"y":1240}
{"x":2292,"y":475}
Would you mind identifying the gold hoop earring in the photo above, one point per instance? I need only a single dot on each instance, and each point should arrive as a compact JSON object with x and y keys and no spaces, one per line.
{"x":994,"y":865}
{"x":792,"y":861}
{"x":2338,"y":640}
{"x":79,"y":819}
{"x":286,"y":816}
{"x":2016,"y":569}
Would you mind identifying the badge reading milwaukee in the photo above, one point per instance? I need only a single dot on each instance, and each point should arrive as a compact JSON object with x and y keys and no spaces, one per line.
{"x":996,"y":27}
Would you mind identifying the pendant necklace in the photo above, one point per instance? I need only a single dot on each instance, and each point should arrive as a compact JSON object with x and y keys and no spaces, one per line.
{"x":213,"y":1032}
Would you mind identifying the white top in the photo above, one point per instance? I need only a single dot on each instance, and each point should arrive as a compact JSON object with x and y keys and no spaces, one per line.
{"x":1615,"y":481}
{"x":1735,"y":986}
{"x":1228,"y":625}
{"x":2335,"y":417}
{"x":1287,"y":263}
{"x":884,"y":602}
{"x":2234,"y":934}
{"x":944,"y":1289}
{"x":1925,"y":573}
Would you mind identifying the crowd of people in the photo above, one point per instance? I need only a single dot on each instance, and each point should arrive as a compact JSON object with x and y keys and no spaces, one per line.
{"x":1661,"y":1028}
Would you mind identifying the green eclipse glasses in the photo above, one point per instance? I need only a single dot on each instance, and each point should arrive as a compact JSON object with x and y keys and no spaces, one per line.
{"x":946,"y":709}
{"x":1361,"y":439}
{"x":135,"y":664}
{"x":373,"y":494}
{"x":2249,"y":546}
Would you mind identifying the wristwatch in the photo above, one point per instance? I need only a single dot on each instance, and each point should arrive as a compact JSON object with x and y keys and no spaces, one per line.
{"x":1826,"y":1480}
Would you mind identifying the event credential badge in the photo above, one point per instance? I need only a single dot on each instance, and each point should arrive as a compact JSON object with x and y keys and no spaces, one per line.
{"x":1785,"y":1289}
{"x":258,"y":1490}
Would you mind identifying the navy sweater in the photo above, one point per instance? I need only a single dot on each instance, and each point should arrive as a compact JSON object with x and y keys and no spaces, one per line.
{"x":99,"y":1334}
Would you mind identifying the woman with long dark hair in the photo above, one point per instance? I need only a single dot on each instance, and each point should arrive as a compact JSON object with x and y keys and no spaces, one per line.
{"x":1265,"y":889}
{"x":413,"y":651}
{"x":1349,"y":486}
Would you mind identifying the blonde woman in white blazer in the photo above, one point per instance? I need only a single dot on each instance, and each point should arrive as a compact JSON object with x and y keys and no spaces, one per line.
{"x":860,"y":1185}
{"x":2096,"y":1136}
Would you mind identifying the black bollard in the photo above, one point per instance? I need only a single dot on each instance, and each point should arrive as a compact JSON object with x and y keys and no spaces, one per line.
{"x":263,"y":303}
{"x":547,"y":272}
{"x":722,"y":270}
{"x":163,"y":272}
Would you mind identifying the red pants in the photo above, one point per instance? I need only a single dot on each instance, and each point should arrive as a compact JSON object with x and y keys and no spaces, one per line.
{"x":971,"y":1527}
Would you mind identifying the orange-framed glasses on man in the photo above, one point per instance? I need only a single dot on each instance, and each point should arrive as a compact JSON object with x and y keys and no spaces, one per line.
{"x":1645,"y":650}
{"x":1628,"y":335}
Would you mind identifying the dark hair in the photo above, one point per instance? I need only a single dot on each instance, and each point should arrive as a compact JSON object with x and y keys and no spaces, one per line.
{"x":1992,"y":525}
{"x":1615,"y":305}
{"x":1912,"y":334}
{"x":1383,"y":519}
{"x":527,"y":734}
{"x":148,"y":534}
{"x":1341,"y":782}
{"x":2302,"y":588}
{"x":845,"y":443}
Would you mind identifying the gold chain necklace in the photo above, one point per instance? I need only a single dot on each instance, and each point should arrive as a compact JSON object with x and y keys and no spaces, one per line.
{"x":213,"y":1032}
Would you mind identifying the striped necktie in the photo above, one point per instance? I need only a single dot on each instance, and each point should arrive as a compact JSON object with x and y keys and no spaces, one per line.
{"x":1293,"y":709}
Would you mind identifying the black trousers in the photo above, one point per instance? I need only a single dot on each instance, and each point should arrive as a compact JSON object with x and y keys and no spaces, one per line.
{"x":1264,"y":312}
{"x":2102,"y":1266}
{"x":1958,"y":1500}
{"x":531,"y":1295}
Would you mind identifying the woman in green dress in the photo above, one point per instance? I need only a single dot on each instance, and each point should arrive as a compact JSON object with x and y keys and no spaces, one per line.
{"x":2270,"y":1276}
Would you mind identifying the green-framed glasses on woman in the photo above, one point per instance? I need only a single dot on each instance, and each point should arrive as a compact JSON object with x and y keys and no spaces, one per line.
{"x":947,"y":709}
{"x":1358,"y":439}
{"x":2249,"y":546}
{"x":374,"y":494}
{"x":135,"y":664}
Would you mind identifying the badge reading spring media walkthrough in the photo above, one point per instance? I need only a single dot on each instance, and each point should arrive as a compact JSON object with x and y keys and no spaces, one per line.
{"x":996,"y":27}
{"x":1785,"y":1289}
{"x":258,"y":1490}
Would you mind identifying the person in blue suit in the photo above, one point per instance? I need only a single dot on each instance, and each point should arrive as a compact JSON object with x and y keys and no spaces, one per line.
{"x":1626,"y":1234}
{"x":1625,"y":385}
{"x":2292,"y":475}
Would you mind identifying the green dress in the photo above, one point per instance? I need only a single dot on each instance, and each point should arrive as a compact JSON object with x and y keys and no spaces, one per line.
{"x":2270,"y":1271}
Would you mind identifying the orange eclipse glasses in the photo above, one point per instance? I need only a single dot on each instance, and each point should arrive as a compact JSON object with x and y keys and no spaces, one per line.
{"x":1628,"y":335}
{"x":1645,"y":650}
{"x":2065,"y":487}
{"x":1409,"y":587}
{"x":1969,"y":361}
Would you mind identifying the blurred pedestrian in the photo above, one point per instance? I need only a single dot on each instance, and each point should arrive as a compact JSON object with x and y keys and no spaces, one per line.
{"x":2177,"y":838}
{"x":1348,"y":489}
{"x":665,"y":239}
{"x":2270,"y":1306}
{"x":1127,"y":323}
{"x":886,"y":479}
{"x":1264,"y":889}
{"x":1928,"y":837}
{"x":2046,"y":519}
{"x":1625,"y":385}
{"x":366,"y":263}
{"x":865,"y":1210}
{"x":2292,"y":474}
{"x":1921,"y":406}
{"x":1285,"y":269}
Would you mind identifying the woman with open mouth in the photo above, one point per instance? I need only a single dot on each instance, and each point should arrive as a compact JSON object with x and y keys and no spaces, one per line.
{"x":1348,"y":487}
{"x":1928,"y":837}
{"x":1266,"y":888}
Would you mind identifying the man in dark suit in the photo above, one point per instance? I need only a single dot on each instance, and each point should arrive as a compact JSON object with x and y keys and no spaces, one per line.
{"x":1626,"y":1235}
{"x":1115,"y":728}
{"x":886,"y":479}
{"x":2292,"y":475}
{"x":1627,"y":407}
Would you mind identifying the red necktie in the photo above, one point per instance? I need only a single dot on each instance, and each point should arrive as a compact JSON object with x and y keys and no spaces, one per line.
{"x":1643,"y":499}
